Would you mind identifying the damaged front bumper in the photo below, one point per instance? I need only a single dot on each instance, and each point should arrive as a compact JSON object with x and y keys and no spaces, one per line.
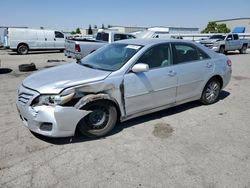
{"x":51,"y":121}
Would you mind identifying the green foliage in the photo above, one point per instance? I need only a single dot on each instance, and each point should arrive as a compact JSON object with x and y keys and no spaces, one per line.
{"x":73,"y":33}
{"x":213,"y":27}
{"x":90,"y":31}
{"x":78,"y":31}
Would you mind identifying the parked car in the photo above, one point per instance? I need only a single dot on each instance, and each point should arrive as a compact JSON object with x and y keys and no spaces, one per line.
{"x":23,"y":40}
{"x":224,"y":43}
{"x":79,"y":48}
{"x":120,"y":81}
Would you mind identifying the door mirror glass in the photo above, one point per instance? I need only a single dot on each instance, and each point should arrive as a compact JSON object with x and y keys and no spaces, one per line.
{"x":140,"y":67}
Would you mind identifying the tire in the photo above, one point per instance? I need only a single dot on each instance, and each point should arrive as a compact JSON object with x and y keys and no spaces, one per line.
{"x":99,"y":122}
{"x":27,"y":67}
{"x":243,"y":50}
{"x":222,"y":50}
{"x":211,"y":92}
{"x":23,"y":49}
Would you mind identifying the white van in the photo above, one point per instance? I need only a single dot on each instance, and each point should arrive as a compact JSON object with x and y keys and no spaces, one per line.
{"x":23,"y":40}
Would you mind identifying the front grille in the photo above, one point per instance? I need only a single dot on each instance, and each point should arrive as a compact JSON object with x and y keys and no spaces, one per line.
{"x":24,"y":97}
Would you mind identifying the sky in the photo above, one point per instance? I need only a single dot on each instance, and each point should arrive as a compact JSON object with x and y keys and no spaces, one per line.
{"x":68,"y":15}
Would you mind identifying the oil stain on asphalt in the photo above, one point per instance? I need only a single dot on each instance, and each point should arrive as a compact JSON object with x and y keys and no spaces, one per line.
{"x":162,"y":130}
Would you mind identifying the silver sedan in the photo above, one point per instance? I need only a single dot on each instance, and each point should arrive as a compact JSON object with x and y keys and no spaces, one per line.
{"x":118,"y":82}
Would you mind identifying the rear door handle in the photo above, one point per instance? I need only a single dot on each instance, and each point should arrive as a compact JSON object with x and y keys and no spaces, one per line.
{"x":171,"y":73}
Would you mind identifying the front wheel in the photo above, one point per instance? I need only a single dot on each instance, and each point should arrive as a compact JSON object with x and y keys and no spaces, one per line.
{"x":211,"y":92}
{"x":100,"y":121}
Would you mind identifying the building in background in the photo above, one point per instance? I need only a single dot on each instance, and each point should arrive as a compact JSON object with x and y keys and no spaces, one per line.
{"x":170,"y":30}
{"x":84,"y":32}
{"x":127,"y":29}
{"x":175,"y":30}
{"x":236,"y":22}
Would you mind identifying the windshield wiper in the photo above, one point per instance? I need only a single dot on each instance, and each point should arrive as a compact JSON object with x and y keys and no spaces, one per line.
{"x":88,"y":65}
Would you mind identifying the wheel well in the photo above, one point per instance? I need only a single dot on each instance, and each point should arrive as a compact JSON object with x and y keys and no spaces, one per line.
{"x":222,"y":46}
{"x":217,"y":77}
{"x":107,"y":101}
{"x":111,"y":102}
{"x":245,"y":44}
{"x":22,"y":44}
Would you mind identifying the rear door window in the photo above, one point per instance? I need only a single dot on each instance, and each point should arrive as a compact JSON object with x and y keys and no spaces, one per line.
{"x":236,"y":37}
{"x":187,"y":53}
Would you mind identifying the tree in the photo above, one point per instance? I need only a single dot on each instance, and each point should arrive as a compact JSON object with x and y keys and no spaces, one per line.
{"x":103,"y":27}
{"x":78,"y":31}
{"x":90,"y":32}
{"x":213,"y":27}
{"x":109,"y":26}
{"x":73,"y":33}
{"x":222,"y":28}
{"x":95,"y":26}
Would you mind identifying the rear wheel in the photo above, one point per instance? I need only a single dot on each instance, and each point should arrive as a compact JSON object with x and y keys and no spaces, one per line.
{"x":22,"y":49}
{"x":211,"y":92}
{"x":243,"y":50}
{"x":100,"y":121}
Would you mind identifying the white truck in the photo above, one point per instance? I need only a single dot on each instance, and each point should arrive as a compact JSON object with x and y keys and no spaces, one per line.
{"x":223,"y":43}
{"x":23,"y":40}
{"x":78,"y":48}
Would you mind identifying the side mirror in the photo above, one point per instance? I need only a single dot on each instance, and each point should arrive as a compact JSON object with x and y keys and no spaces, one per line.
{"x":140,"y":67}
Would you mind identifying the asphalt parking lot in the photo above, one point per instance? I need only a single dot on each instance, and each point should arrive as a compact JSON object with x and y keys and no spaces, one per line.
{"x":191,"y":145}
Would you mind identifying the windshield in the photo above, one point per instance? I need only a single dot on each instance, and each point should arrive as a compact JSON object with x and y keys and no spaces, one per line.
{"x":110,"y":57}
{"x":221,"y":37}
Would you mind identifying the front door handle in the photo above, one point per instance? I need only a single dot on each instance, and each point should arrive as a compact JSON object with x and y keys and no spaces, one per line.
{"x":171,"y":73}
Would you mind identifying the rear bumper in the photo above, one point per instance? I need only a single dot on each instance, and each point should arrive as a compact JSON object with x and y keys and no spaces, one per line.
{"x":72,"y":54}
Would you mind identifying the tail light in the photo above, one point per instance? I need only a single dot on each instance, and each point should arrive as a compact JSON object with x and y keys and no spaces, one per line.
{"x":229,"y":62}
{"x":77,"y":48}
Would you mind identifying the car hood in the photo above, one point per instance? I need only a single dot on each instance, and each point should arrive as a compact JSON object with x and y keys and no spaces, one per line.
{"x":54,"y":80}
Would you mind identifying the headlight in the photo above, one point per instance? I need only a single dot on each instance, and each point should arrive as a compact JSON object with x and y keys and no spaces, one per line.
{"x":60,"y":99}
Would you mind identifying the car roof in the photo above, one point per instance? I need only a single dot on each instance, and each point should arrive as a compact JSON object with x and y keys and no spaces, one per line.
{"x":151,"y":42}
{"x":144,"y":42}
